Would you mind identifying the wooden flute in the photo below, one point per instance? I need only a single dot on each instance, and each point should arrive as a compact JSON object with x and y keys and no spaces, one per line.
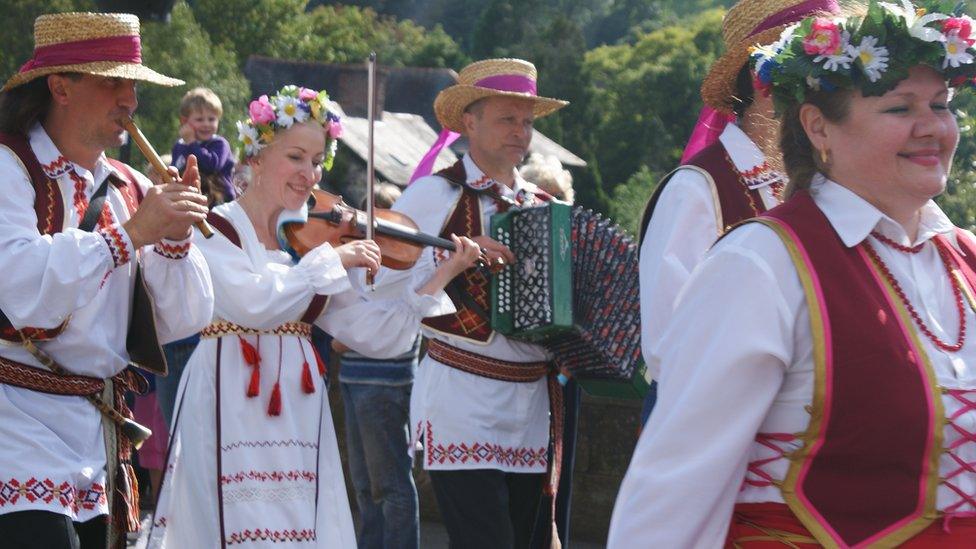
{"x":157,"y":163}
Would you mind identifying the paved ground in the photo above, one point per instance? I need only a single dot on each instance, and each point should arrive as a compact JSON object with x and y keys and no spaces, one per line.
{"x":432,"y":536}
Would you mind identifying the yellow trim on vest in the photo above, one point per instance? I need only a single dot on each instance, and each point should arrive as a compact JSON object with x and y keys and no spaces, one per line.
{"x":811,"y":434}
{"x":813,"y":430}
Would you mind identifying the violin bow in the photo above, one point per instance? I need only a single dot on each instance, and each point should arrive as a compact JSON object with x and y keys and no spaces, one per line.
{"x":370,"y":167}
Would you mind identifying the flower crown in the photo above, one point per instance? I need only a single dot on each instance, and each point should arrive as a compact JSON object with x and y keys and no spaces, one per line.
{"x":289,"y":106}
{"x":871,"y":53}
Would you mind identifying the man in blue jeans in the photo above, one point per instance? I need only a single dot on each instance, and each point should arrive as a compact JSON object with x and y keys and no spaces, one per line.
{"x":376,"y":397}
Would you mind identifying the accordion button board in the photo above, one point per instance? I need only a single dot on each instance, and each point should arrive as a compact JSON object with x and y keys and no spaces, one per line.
{"x":573,"y":289}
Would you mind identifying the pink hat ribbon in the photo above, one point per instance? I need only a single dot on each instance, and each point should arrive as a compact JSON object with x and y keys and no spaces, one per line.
{"x":516,"y":83}
{"x":125,"y":49}
{"x":793,"y":14}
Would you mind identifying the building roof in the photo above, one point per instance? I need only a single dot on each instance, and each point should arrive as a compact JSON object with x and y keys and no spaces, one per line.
{"x":400,"y":141}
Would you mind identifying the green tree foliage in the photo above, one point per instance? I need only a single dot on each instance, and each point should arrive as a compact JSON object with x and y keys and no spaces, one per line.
{"x":327,"y":34}
{"x":646,"y":96}
{"x":18,"y":20}
{"x":629,"y":199}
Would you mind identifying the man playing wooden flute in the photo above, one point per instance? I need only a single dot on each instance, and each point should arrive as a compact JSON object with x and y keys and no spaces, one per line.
{"x":79,"y":235}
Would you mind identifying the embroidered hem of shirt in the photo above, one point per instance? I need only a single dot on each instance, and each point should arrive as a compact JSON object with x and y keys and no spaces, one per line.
{"x":16,"y":492}
{"x":274,"y":536}
{"x":269,"y":476}
{"x":172,"y":249}
{"x":118,"y":244}
{"x":485,"y":453}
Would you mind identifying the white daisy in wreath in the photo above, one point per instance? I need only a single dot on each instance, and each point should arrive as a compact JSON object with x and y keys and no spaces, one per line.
{"x":874,"y":58}
{"x":916,"y":21}
{"x":289,"y":111}
{"x":249,"y":137}
{"x":956,"y":49}
{"x":839,"y":61}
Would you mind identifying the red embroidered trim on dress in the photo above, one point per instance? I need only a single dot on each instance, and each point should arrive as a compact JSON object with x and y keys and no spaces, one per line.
{"x":117,"y":244}
{"x":269,"y":476}
{"x":14,"y":491}
{"x":172,"y":251}
{"x":274,"y":536}
{"x":483,"y":452}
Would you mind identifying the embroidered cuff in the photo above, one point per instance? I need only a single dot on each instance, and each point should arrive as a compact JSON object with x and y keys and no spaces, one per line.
{"x":173,"y":249}
{"x":118,"y":244}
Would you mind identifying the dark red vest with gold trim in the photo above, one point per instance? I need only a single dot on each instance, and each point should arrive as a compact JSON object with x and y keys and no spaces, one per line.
{"x":49,"y":209}
{"x":736,"y":202}
{"x":472,"y":321}
{"x":868,"y":470}
{"x":469,"y":291}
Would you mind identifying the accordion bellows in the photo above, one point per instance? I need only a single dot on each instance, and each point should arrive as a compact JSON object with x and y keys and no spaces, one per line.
{"x":574,"y":289}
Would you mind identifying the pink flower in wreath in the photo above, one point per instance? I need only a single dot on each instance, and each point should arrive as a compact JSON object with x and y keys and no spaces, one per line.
{"x":960,"y":26}
{"x":306,"y":94}
{"x":824,"y":38}
{"x":261,"y":111}
{"x":334,"y":129}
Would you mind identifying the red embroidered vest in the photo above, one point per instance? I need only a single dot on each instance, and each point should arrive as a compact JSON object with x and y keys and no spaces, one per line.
{"x":141,"y":341}
{"x":736,"y":201}
{"x":868,"y":470}
{"x":470,"y":290}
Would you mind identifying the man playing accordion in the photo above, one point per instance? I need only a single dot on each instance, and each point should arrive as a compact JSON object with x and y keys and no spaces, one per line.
{"x":480,"y":403}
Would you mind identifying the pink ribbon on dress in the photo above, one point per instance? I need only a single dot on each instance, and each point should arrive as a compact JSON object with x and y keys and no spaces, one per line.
{"x":125,"y":49}
{"x":711,"y":123}
{"x":516,"y":83}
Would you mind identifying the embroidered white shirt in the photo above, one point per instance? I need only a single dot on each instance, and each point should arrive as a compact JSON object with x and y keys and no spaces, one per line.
{"x":683,"y":227}
{"x":738,"y":362}
{"x":76,"y":276}
{"x":467,"y":421}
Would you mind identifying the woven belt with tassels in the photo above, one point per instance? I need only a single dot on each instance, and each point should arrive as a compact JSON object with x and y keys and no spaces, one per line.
{"x":252,"y":355}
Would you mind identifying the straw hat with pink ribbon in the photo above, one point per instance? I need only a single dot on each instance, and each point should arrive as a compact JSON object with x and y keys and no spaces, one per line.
{"x":102,"y":44}
{"x":481,"y":79}
{"x":748,"y":23}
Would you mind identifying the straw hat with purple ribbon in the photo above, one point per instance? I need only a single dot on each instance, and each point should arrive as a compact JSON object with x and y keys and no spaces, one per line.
{"x":491,"y":78}
{"x":748,"y":23}
{"x":103,"y":44}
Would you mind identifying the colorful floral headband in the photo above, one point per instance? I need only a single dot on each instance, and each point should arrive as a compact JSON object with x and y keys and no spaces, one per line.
{"x":871,"y":53}
{"x":290,"y":105}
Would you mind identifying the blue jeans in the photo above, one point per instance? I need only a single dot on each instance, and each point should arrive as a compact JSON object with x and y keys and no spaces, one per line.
{"x":177,"y":354}
{"x":377,"y":438}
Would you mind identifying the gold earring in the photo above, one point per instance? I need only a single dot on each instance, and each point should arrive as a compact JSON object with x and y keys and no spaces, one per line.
{"x":824,"y":156}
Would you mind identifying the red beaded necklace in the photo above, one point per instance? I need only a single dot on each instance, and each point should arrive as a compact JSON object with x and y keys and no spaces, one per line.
{"x":900,"y":247}
{"x":953,"y":281}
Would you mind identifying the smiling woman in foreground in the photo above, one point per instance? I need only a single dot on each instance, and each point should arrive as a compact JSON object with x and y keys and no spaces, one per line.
{"x":818,"y":387}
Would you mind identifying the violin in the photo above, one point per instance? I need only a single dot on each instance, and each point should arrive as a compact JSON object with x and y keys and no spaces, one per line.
{"x":331,"y":220}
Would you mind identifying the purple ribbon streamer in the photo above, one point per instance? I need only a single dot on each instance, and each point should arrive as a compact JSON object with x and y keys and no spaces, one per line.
{"x":427,"y":162}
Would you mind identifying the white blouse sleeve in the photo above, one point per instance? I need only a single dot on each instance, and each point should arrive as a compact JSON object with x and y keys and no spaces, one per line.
{"x":45,"y":277}
{"x":725,"y":355}
{"x":383,"y":323}
{"x":182,"y":292}
{"x":267,"y":296}
{"x":681,"y":230}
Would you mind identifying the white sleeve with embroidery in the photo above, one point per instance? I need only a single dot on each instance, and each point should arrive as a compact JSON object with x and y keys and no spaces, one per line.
{"x":45,"y":278}
{"x":681,"y":230}
{"x":266,"y":296}
{"x":725,"y":355}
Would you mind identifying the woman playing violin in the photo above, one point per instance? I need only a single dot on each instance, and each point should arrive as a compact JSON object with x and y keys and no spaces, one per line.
{"x":270,"y":470}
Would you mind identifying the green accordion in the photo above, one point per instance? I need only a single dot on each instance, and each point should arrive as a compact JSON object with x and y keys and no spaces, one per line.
{"x":574,"y":290}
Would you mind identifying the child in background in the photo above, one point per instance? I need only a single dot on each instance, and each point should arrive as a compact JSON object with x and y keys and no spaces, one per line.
{"x":200,"y":112}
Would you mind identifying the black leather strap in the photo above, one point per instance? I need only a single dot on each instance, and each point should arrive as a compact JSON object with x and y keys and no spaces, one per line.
{"x":94,"y":210}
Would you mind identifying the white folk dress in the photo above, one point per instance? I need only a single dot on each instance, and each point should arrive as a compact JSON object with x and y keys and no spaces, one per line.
{"x":235,"y":474}
{"x":52,"y":454}
{"x":739,"y":374}
{"x":684,"y":226}
{"x":462,"y":420}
